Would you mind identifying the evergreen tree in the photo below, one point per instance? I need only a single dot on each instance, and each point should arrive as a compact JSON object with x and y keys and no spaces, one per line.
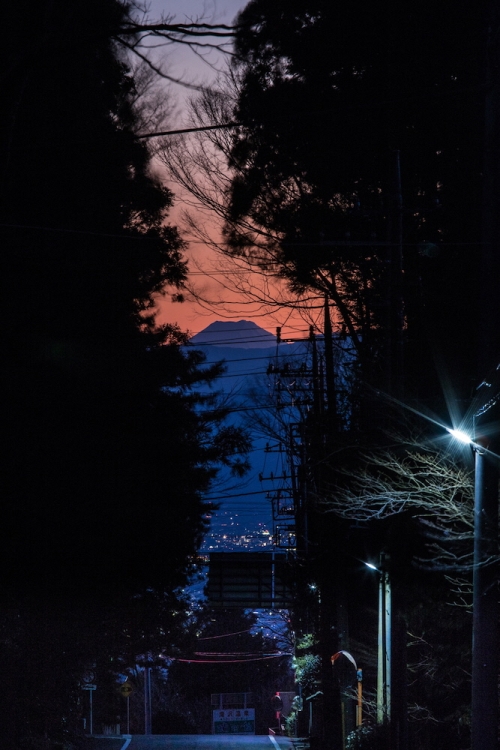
{"x":108,"y":448}
{"x":328,"y":94}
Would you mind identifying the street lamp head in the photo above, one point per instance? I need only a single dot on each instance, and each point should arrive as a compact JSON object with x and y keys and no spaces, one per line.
{"x":372,"y":567}
{"x":461,"y":436}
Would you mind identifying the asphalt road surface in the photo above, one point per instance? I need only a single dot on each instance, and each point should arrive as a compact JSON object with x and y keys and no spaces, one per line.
{"x":209,"y":742}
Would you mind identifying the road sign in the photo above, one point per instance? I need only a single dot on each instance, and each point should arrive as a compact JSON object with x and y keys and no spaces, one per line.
{"x":126,"y":689}
{"x":233,"y":721}
{"x":89,"y":687}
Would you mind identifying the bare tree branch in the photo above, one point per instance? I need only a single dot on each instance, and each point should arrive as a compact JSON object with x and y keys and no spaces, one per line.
{"x":141,"y":36}
{"x":416,"y":478}
{"x":204,"y":169}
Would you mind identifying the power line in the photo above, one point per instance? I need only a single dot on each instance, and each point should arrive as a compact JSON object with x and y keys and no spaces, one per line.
{"x":244,"y":328}
{"x":232,"y":361}
{"x":324,"y":243}
{"x":235,"y":342}
{"x":240,"y":494}
{"x":225,"y":635}
{"x":230,"y":661}
{"x":190,"y":130}
{"x":322,"y":112}
{"x":283,"y":327}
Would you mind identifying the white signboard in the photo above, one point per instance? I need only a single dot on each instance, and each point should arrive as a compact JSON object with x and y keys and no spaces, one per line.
{"x":233,"y":721}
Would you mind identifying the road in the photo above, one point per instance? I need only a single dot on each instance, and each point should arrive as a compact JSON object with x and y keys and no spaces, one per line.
{"x":211,"y":742}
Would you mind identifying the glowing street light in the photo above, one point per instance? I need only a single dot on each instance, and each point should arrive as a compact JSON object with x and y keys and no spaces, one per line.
{"x":461,"y":436}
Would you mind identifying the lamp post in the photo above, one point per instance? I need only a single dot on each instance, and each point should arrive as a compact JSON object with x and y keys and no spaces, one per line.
{"x":147,"y":700}
{"x":384,"y":651}
{"x":90,"y":688}
{"x":484,"y":694}
{"x":484,"y":717}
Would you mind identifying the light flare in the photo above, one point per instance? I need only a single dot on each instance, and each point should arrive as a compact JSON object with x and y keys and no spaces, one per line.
{"x":461,"y":436}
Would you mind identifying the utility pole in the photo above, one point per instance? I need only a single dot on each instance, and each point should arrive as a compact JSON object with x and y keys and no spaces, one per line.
{"x":395,"y":303}
{"x":485,"y":639}
{"x":331,"y":391}
{"x":147,"y":700}
{"x":396,"y":677}
{"x":384,"y":651}
{"x":485,"y":609}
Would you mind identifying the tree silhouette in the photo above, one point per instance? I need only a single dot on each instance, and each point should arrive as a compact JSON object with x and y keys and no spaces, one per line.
{"x":109,"y":448}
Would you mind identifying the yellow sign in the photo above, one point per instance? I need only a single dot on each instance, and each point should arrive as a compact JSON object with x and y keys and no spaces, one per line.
{"x":126,"y":689}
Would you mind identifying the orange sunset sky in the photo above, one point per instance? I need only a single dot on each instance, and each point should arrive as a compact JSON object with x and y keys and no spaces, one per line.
{"x":215,"y":282}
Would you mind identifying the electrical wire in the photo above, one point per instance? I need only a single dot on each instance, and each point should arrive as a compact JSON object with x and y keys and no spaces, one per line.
{"x":230,"y":661}
{"x":237,"y":653}
{"x":225,"y":635}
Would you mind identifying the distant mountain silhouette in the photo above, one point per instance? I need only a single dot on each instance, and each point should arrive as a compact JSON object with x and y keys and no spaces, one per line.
{"x":241,"y":334}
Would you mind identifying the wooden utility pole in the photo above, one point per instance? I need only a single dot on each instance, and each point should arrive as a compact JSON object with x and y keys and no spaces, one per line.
{"x":395,"y":354}
{"x":331,"y":391}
